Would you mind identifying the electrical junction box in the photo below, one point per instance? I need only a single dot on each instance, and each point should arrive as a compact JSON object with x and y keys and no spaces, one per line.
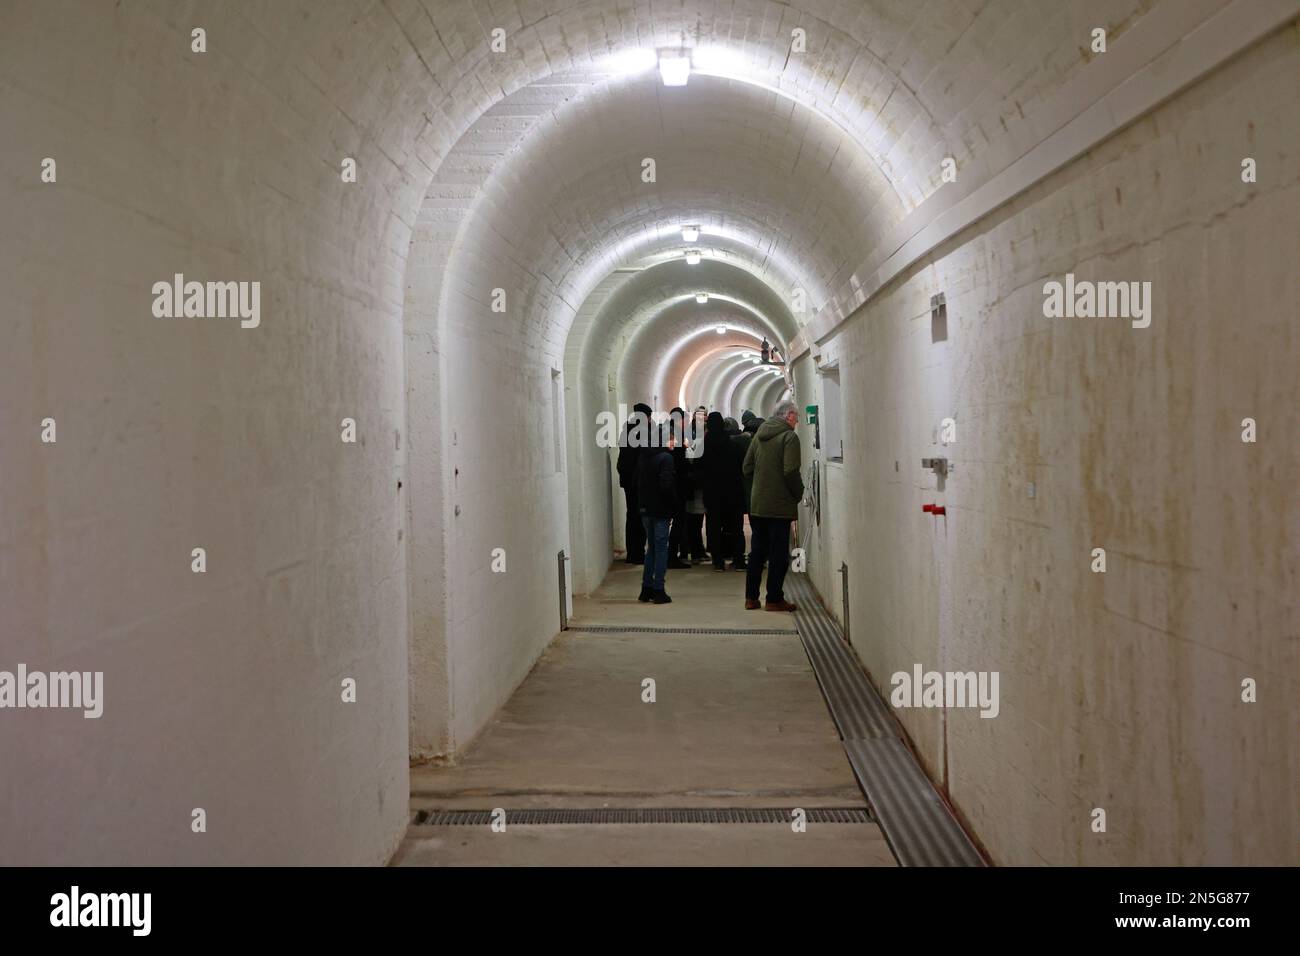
{"x":811,"y":411}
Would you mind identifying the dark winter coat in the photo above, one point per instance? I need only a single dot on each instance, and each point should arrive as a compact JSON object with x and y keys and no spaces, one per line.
{"x":629,"y":455}
{"x":722,"y":487}
{"x":657,"y":484}
{"x":775,"y":461}
{"x":695,"y":464}
{"x":752,"y":426}
{"x":681,"y":466}
{"x":739,"y":446}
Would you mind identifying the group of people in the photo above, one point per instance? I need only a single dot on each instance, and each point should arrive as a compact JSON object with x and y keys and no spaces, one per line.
{"x":687,"y":478}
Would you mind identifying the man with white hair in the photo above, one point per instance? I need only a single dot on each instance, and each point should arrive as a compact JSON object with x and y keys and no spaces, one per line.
{"x":774,"y":459}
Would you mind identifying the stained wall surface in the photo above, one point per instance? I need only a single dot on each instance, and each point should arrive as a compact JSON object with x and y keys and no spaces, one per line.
{"x":1120,"y":690}
{"x":818,"y":182}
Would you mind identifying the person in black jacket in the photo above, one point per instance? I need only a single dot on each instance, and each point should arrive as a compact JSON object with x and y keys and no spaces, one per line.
{"x":678,"y":550}
{"x":694,"y":504}
{"x":739,"y":441}
{"x":721,"y":490}
{"x":636,"y":436}
{"x":750,"y":423}
{"x":657,"y":494}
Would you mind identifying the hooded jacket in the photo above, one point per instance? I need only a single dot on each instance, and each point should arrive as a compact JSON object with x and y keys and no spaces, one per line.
{"x":722,"y":488}
{"x":657,"y":482}
{"x":681,"y":466}
{"x":629,"y":450}
{"x":774,"y":461}
{"x":750,"y":429}
{"x":740,"y":442}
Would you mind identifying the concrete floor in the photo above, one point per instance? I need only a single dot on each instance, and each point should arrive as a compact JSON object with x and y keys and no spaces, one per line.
{"x":701,"y":597}
{"x":738,"y":722}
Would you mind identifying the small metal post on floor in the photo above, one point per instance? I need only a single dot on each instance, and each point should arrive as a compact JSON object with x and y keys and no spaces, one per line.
{"x":844,"y":596}
{"x":564,"y":596}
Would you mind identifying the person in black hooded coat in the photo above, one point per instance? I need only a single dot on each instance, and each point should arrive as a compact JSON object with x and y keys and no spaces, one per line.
{"x":678,"y":544}
{"x":695,"y":469}
{"x":739,"y":441}
{"x":722,"y":492}
{"x":629,"y":458}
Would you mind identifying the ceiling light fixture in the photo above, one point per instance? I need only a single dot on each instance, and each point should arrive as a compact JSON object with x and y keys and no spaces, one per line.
{"x":690,"y":233}
{"x":722,"y":330}
{"x":701,"y":297}
{"x":674,"y":67}
{"x":692,"y":258}
{"x":629,"y":62}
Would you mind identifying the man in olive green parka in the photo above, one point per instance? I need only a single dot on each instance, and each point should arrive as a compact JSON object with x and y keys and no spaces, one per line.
{"x":774,"y":461}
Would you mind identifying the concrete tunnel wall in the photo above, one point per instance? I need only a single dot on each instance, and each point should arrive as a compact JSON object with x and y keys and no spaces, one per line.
{"x":223,"y":688}
{"x":1120,"y":690}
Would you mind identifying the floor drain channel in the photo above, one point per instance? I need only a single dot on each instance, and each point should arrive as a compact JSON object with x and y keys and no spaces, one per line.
{"x":641,"y":629}
{"x":858,"y":711}
{"x":918,"y":825}
{"x":605,"y":815}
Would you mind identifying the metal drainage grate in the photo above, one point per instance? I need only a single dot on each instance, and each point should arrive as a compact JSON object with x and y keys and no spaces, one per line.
{"x":856,"y":708}
{"x":917,"y":823}
{"x":642,"y":629}
{"x":605,"y":815}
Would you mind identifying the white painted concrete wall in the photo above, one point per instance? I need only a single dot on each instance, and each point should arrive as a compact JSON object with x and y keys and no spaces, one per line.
{"x":1119,"y":690}
{"x":826,"y":542}
{"x":222,"y":689}
{"x":177,"y":433}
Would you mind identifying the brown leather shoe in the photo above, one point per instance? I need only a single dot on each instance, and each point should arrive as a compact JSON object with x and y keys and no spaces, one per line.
{"x":780,"y":606}
{"x":751,"y":605}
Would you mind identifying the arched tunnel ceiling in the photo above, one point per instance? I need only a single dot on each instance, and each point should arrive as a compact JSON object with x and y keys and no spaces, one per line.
{"x":643,"y":332}
{"x":726,"y":157}
{"x":668,"y":355}
{"x":797,"y":162}
{"x":693,"y":378}
{"x":725,"y":380}
{"x":910,"y":84}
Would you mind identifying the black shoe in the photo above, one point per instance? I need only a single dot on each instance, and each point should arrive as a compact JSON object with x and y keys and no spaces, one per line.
{"x":660,"y":597}
{"x":719,"y":567}
{"x":739,"y":566}
{"x":645,"y":595}
{"x":635,"y":560}
{"x":679,"y":565}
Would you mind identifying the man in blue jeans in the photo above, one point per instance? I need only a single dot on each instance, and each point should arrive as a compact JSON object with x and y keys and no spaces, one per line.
{"x":657,"y":495}
{"x":773,"y":462}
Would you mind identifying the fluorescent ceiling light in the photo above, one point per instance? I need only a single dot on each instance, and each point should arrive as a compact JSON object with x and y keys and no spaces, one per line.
{"x":692,"y":258}
{"x":720,"y":60}
{"x":722,"y":330}
{"x":674,"y":67}
{"x":628,"y":62}
{"x":690,"y":233}
{"x":701,"y":297}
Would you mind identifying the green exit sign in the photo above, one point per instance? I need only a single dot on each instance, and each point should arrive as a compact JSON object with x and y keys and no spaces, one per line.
{"x":812,"y":414}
